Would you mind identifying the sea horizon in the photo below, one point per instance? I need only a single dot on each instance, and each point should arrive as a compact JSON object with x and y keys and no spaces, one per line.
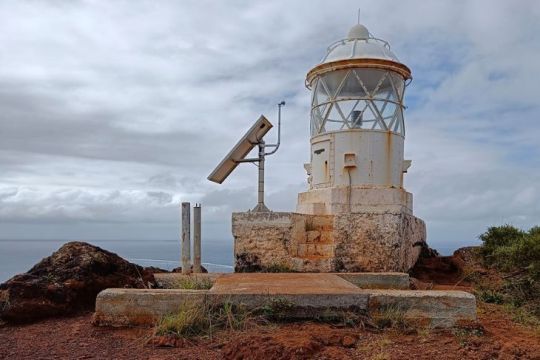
{"x":18,"y":256}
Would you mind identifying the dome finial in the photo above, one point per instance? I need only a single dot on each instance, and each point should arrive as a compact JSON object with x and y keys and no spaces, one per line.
{"x":358,"y":31}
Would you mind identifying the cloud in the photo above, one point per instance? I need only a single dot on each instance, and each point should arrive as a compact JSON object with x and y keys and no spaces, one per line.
{"x":111,"y":113}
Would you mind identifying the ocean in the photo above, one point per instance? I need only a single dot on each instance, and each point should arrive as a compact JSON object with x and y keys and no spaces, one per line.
{"x":18,"y":256}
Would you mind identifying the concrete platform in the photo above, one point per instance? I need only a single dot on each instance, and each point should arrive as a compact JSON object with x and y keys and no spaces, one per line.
{"x":385,"y":280}
{"x":282,"y":284}
{"x":310,"y":296}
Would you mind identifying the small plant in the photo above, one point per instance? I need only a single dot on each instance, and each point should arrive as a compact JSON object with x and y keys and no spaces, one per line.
{"x":424,"y":333}
{"x":391,"y":316}
{"x":201,"y":319}
{"x":490,"y":296}
{"x":277,"y":308}
{"x":381,"y":354}
{"x":50,"y":278}
{"x":190,"y":320}
{"x":464,"y":334}
{"x":230,"y":316}
{"x":194,"y":283}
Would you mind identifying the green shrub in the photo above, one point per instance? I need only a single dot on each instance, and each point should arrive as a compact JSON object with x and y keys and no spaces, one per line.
{"x":517,"y":253}
{"x":508,"y":248}
{"x":196,"y":319}
{"x":190,"y":320}
{"x":490,"y":296}
{"x":391,"y":316}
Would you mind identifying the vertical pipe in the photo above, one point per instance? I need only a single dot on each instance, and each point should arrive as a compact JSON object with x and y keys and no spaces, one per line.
{"x":260,"y":202}
{"x":186,"y":238}
{"x":197,"y":238}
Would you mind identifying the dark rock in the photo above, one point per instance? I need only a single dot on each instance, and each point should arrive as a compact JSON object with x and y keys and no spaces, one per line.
{"x":155,"y":270}
{"x":68,"y":281}
{"x":179,"y":269}
{"x":426,"y":252}
{"x":247,"y":263}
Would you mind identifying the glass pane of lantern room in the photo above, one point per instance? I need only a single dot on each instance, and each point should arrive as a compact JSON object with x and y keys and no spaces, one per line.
{"x":333,"y":80}
{"x":399,"y":85}
{"x":351,"y":87}
{"x":369,"y":78}
{"x":320,"y":94}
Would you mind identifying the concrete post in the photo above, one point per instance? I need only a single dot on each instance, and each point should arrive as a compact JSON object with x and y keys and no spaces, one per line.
{"x":197,"y":238}
{"x":186,"y":238}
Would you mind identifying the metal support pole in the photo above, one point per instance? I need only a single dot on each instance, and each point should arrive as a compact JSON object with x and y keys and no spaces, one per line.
{"x":186,"y":238}
{"x":197,"y":238}
{"x":260,"y":199}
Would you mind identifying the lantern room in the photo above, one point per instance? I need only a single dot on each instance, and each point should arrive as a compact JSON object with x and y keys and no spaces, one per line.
{"x":357,"y":125}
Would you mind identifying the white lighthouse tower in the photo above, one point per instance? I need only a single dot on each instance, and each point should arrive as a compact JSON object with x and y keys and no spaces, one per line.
{"x":357,"y":129}
{"x":356,"y":215}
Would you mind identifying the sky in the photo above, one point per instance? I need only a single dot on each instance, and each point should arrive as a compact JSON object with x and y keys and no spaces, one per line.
{"x":114,"y":112}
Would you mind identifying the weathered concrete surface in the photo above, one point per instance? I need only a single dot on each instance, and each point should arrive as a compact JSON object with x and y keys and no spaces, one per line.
{"x":127,"y":307}
{"x":392,"y":280}
{"x":441,"y":308}
{"x":308,"y":295}
{"x":282,"y":284}
{"x":353,"y":242}
{"x":357,"y":199}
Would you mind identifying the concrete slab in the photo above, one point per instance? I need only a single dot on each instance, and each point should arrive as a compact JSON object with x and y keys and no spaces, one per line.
{"x":282,"y":283}
{"x":387,"y":280}
{"x":443,"y":308}
{"x":128,"y":307}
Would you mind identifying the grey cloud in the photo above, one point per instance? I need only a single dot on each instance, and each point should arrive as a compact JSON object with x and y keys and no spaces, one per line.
{"x":111,"y":113}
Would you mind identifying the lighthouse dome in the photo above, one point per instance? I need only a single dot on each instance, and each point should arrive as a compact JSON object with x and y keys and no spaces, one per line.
{"x":359,"y":44}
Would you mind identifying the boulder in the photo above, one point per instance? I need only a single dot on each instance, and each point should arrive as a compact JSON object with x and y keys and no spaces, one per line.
{"x":68,"y":281}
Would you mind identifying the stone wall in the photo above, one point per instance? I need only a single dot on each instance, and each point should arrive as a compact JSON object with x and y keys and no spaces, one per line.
{"x":281,"y":241}
{"x":377,"y":242}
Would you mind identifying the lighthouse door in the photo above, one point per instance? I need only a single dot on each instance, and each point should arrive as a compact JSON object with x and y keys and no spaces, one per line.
{"x":320,"y":163}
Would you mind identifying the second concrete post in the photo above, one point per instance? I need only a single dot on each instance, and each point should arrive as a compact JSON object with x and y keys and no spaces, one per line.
{"x":197,"y":238}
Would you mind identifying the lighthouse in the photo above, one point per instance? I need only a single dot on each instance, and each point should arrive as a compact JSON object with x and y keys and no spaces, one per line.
{"x":355,"y":214}
{"x":357,"y":129}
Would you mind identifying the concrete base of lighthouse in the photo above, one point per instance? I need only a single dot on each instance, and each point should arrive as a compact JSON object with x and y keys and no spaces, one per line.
{"x":373,"y":240}
{"x":356,"y":199}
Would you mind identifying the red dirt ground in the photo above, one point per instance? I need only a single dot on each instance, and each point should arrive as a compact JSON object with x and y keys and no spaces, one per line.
{"x":495,"y":336}
{"x":76,"y":338}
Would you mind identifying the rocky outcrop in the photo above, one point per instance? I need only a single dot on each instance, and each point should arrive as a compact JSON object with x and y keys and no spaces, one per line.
{"x":68,"y":281}
{"x":447,"y":270}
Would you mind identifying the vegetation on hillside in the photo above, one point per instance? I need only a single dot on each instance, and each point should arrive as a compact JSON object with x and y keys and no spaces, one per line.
{"x":516,"y":254}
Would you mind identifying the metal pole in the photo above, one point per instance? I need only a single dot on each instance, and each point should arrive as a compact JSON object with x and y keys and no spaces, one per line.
{"x":186,"y":238}
{"x":260,"y":202}
{"x":197,"y":238}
